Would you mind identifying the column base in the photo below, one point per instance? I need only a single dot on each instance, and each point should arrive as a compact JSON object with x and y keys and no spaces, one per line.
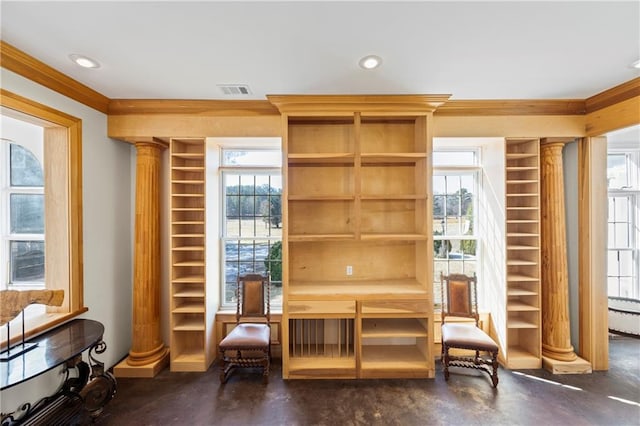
{"x":577,"y":366}
{"x":123,"y":369}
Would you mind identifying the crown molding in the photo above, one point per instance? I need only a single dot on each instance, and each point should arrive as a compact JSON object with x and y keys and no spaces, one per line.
{"x":29,"y":67}
{"x":615,"y":95}
{"x":511,"y":107}
{"x":363,"y":103}
{"x":191,"y":107}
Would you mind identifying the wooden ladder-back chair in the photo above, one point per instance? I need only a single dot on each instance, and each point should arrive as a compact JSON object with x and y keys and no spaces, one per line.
{"x":248,"y":345}
{"x":459,"y":299}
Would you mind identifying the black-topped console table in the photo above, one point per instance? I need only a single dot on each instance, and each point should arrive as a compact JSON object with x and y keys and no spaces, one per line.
{"x":82,"y":395}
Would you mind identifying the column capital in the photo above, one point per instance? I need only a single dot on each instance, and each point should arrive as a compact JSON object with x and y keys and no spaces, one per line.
{"x":149,"y":141}
{"x":557,"y":141}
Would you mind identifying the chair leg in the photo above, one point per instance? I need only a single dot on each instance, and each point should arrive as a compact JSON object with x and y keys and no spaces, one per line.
{"x":223,"y":375}
{"x":265,"y":372}
{"x":445,"y":361}
{"x":494,"y":364}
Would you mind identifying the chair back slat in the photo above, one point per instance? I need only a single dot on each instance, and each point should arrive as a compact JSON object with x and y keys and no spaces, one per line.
{"x":459,"y":297}
{"x":251,"y":292}
{"x":252,"y":298}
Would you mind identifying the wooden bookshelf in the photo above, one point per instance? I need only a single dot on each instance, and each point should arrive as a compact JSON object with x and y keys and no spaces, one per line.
{"x":357,"y":236}
{"x":523,"y":317}
{"x":192,"y":346}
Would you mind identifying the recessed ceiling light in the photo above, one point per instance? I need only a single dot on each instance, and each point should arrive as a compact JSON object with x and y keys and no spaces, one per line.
{"x":84,"y":61}
{"x":370,"y":62}
{"x":636,"y":64}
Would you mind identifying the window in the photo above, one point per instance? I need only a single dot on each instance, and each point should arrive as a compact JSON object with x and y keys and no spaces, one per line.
{"x":22,"y":207}
{"x":40,"y":247}
{"x":455,"y":189}
{"x":623,"y":255}
{"x":252,"y":218}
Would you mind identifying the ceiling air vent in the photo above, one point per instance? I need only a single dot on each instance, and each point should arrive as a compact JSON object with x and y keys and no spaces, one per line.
{"x":235,"y":89}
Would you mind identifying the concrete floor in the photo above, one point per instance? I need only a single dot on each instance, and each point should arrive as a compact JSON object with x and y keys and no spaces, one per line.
{"x":527,"y":397}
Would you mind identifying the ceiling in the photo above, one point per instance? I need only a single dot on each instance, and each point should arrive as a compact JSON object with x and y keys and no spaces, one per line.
{"x":472,"y":50}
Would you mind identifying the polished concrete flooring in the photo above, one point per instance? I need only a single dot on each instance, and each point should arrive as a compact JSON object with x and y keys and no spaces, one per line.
{"x":527,"y":397}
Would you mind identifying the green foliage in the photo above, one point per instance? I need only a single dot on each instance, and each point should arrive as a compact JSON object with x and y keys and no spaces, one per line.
{"x":273,"y":262}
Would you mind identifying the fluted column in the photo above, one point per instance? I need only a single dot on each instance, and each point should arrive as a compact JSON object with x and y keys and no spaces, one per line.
{"x":147,"y":346}
{"x":556,"y":337}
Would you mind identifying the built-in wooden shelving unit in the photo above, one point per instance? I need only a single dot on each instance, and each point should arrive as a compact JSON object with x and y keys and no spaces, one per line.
{"x":191,"y":337}
{"x":357,"y":249}
{"x":523,"y":349}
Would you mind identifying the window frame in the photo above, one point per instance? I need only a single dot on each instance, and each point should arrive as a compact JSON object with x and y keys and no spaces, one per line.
{"x":224,"y":170}
{"x":474,"y":170}
{"x":63,"y":138}
{"x":9,"y":237}
{"x":631,"y":191}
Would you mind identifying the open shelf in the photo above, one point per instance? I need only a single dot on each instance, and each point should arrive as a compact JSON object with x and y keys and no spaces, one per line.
{"x":521,"y":358}
{"x":520,"y":306}
{"x":189,"y":347}
{"x":520,"y":277}
{"x":519,"y":291}
{"x":321,"y":197}
{"x":518,"y":323}
{"x":189,"y":293}
{"x":394,"y":237}
{"x":393,"y":327}
{"x":322,"y":367}
{"x":320,"y":237}
{"x":322,"y":158}
{"x":357,"y":231}
{"x":523,"y":260}
{"x":390,"y":158}
{"x":360,"y":289}
{"x":397,"y":357}
{"x":182,"y":322}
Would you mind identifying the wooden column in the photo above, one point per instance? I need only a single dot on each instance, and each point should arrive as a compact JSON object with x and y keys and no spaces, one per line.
{"x":556,"y":337}
{"x":148,"y":354}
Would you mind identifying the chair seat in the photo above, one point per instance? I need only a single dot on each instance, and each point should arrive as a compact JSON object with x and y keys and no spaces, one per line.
{"x":247,"y":336}
{"x":467,"y":336}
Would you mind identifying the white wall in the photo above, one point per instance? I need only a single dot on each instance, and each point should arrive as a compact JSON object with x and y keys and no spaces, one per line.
{"x":26,"y":134}
{"x":107,"y":232}
{"x":493,"y":233}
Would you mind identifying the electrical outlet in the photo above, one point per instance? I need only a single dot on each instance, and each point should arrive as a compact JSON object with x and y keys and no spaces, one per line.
{"x":349,"y":270}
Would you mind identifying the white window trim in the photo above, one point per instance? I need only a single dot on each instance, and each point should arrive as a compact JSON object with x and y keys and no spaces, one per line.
{"x":62,"y":137}
{"x":228,"y":169}
{"x":5,"y":219}
{"x":476,"y":171}
{"x":633,"y":192}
